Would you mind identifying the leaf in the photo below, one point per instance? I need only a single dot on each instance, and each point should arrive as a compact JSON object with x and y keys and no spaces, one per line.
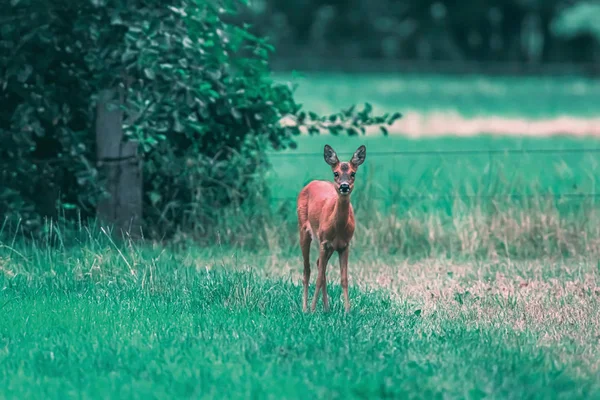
{"x":116,"y":19}
{"x":394,"y":117}
{"x":333,"y":131}
{"x":150,"y":74}
{"x":417,"y":313}
{"x":236,"y":114}
{"x":384,"y":130}
{"x":348,"y":112}
{"x":301,"y":117}
{"x":154,"y":198}
{"x":24,"y":73}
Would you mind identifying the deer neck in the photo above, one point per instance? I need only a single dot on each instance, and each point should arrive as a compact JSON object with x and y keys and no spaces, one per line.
{"x":341,"y":211}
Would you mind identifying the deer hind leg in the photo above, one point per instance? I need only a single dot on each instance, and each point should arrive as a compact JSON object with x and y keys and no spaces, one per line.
{"x":305,"y":241}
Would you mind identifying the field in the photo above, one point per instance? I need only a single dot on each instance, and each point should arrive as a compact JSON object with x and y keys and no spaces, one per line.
{"x":97,"y":321}
{"x":474,"y":272}
{"x":531,"y":97}
{"x":449,"y":164}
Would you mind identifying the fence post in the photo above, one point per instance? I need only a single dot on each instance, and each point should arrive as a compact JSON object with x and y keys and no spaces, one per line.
{"x":119,"y":166}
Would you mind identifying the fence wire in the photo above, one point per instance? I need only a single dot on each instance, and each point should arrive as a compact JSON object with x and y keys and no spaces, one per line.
{"x":455,"y":197}
{"x":448,"y":152}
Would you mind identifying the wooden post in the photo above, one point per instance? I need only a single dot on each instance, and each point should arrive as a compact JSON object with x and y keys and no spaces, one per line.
{"x":119,"y":166}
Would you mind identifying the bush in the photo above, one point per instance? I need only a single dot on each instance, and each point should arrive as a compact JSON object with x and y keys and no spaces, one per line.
{"x":197,"y":94}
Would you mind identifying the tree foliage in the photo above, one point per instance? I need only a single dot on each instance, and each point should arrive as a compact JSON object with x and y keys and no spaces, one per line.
{"x":427,"y":30}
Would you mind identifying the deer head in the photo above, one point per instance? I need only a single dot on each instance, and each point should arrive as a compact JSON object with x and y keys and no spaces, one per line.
{"x":344,"y":172}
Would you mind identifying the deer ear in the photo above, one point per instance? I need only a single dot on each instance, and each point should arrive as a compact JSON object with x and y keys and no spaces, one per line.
{"x":359,"y":156}
{"x":331,"y":157}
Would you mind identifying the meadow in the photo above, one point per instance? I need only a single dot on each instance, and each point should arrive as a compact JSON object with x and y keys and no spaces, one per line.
{"x":101,"y":320}
{"x":470,"y":95}
{"x":451,"y":165}
{"x":474,"y":273}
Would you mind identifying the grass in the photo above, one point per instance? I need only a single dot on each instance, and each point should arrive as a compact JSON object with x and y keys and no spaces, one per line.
{"x":510,"y":196}
{"x":540,"y":97}
{"x":427,"y":204}
{"x":399,"y":167}
{"x":136,"y":320}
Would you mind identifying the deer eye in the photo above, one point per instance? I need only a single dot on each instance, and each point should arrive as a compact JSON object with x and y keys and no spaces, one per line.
{"x":352,"y":174}
{"x":336,"y":174}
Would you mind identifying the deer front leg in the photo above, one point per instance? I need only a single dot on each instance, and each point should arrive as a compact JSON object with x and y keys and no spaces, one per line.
{"x":344,"y":276}
{"x":324,"y":262}
{"x":324,"y":255}
{"x":305,"y":240}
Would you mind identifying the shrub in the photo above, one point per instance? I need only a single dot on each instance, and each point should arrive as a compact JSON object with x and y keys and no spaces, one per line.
{"x":196,"y":91}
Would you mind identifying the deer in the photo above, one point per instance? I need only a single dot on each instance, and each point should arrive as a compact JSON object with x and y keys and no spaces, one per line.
{"x":326,"y":216}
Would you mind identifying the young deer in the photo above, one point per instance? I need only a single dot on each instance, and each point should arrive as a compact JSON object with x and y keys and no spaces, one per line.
{"x":325,"y":214}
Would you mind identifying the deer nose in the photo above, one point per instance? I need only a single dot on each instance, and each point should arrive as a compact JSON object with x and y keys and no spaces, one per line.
{"x":344,"y":188}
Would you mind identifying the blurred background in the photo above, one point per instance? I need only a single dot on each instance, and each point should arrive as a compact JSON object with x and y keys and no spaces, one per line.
{"x":379,"y":35}
{"x":498,"y":97}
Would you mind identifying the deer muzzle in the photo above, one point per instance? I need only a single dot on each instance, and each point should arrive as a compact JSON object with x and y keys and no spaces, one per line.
{"x":344,"y":188}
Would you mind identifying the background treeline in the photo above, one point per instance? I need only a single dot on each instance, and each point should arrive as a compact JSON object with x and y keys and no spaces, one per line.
{"x":523,"y":31}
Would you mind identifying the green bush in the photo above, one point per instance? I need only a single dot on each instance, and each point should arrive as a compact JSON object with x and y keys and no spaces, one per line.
{"x":197,"y":94}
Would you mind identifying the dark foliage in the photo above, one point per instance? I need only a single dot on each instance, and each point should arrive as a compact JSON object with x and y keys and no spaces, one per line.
{"x":197,"y":96}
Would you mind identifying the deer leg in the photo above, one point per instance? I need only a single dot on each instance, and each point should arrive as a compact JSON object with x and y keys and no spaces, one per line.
{"x":317,"y":285}
{"x":305,"y":241}
{"x":324,"y":283}
{"x":344,"y":276}
{"x":321,"y":265}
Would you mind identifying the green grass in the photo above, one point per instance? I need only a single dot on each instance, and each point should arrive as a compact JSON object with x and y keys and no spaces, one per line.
{"x":426,"y":197}
{"x":426,"y":174}
{"x":424,"y":204}
{"x":540,"y":97}
{"x":139,"y":321}
{"x":423,"y":179}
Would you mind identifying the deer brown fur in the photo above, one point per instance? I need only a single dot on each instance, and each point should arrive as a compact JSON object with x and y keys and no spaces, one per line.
{"x":326,"y":215}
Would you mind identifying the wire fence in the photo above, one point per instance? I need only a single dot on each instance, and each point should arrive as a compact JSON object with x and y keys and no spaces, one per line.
{"x":448,"y":152}
{"x":429,"y":196}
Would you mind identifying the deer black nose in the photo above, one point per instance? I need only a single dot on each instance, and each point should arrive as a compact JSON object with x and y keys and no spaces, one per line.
{"x":344,"y":188}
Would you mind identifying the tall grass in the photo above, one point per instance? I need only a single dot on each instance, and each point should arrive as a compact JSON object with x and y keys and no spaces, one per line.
{"x":87,"y":316}
{"x":526,"y":226}
{"x":533,"y":226}
{"x":469,"y":95}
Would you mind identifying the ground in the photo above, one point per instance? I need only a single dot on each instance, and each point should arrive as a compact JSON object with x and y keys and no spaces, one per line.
{"x":97,"y":322}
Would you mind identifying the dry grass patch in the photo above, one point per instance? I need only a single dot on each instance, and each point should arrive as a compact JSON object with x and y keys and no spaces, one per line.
{"x":558,"y":301}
